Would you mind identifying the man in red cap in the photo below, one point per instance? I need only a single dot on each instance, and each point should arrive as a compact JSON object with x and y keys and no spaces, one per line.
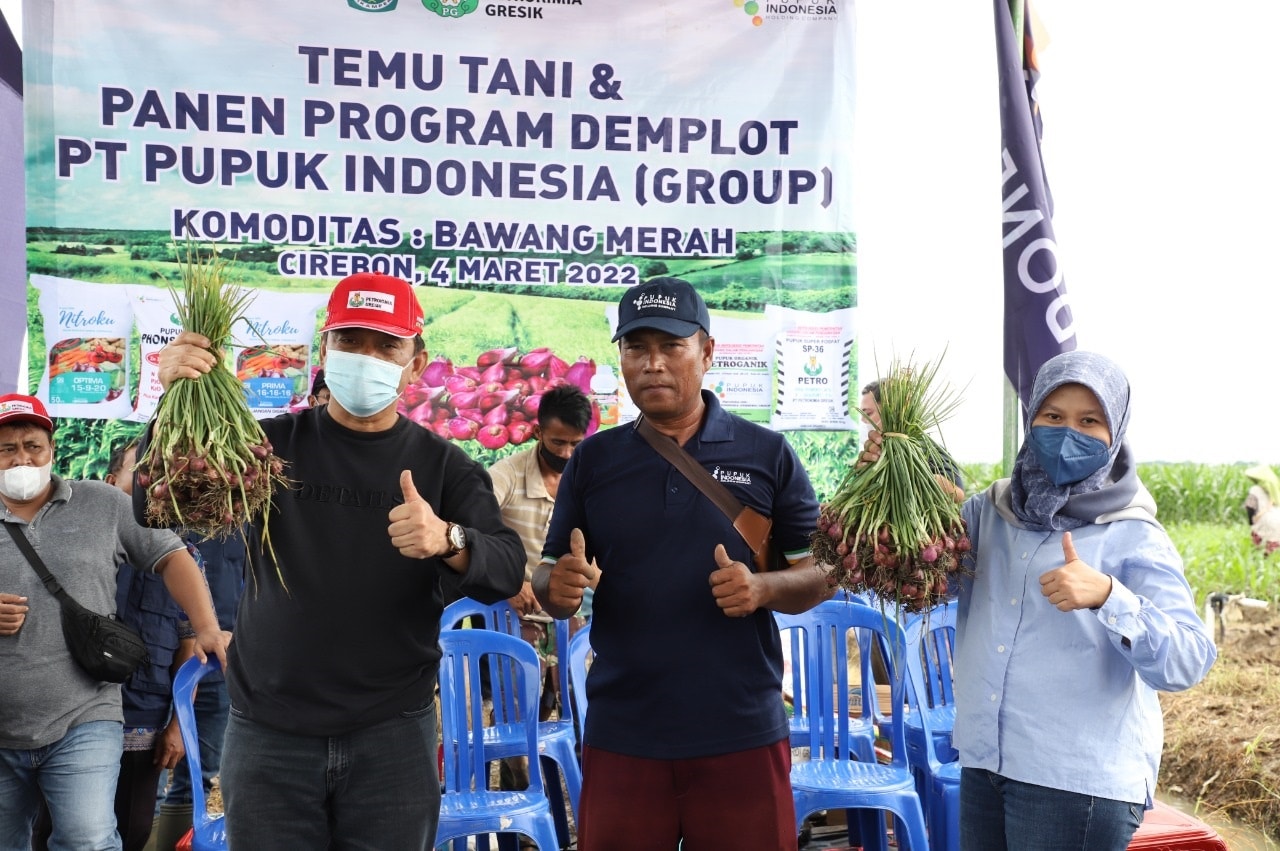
{"x":61,"y":731}
{"x":332,"y":737}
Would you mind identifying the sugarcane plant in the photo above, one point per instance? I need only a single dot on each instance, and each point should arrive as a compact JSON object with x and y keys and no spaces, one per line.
{"x":209,"y":468}
{"x":893,"y":527}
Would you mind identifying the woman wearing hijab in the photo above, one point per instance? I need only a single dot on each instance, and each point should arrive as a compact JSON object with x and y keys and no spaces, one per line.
{"x":1076,"y":613}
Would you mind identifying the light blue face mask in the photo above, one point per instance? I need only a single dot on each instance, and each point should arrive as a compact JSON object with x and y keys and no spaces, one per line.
{"x":362,"y":385}
{"x":1068,"y":456}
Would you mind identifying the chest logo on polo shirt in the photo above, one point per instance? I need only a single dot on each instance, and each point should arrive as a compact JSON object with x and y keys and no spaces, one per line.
{"x":730,"y":477}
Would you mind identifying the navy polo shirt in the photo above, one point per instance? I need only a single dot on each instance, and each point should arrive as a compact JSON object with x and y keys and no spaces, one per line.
{"x":673,"y":677}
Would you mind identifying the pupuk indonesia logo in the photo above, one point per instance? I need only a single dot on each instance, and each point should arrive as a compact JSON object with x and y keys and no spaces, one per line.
{"x":452,"y":8}
{"x":787,"y":10}
{"x":752,"y":8}
{"x":373,"y":5}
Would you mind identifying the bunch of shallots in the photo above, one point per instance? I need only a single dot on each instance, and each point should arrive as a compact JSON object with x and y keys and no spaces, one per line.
{"x":208,"y":468}
{"x":893,"y":528}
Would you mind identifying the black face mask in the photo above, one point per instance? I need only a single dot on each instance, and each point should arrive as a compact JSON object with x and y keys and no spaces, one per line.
{"x":554,"y":462}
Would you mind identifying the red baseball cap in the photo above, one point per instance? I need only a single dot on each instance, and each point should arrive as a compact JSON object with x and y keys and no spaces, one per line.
{"x":378,"y":302}
{"x":16,"y":408}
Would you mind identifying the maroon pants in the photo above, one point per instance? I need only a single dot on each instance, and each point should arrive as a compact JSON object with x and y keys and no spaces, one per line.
{"x":732,"y":801}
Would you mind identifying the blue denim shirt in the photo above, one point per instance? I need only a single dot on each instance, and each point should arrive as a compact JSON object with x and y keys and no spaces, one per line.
{"x":1068,"y":700}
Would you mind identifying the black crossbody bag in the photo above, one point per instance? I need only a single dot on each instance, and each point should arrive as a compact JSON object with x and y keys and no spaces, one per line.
{"x":105,"y":647}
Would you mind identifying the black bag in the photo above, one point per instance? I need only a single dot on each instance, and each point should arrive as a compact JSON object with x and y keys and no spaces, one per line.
{"x":104,"y":647}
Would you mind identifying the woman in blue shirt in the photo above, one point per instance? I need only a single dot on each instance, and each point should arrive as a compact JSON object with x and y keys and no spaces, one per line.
{"x":1076,"y":614}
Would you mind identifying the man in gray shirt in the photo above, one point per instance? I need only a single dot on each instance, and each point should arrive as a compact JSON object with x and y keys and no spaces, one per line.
{"x":61,"y":731}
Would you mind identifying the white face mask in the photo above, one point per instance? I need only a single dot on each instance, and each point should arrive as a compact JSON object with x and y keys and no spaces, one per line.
{"x":363,"y":385}
{"x":24,"y":483}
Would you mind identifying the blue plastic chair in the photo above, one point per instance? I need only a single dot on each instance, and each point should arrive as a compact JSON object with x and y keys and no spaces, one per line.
{"x":802,"y":631}
{"x":933,"y":760}
{"x":930,"y":641}
{"x":832,"y":778}
{"x":579,"y":660}
{"x":209,"y":832}
{"x":792,"y":630}
{"x":467,"y":806}
{"x":558,"y":739}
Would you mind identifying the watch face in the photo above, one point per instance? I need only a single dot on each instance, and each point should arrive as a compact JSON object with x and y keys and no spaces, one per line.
{"x":457,"y":537}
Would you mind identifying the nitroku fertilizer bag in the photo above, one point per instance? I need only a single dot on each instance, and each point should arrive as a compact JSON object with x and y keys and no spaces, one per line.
{"x":86,"y":333}
{"x":272,"y":357}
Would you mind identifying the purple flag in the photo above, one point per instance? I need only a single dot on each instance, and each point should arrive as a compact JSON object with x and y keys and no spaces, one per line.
{"x":1037,"y":317}
{"x":13,"y":226}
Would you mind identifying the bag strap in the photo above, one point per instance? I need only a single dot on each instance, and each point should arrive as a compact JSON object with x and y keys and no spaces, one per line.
{"x":748,"y":522}
{"x":711,"y":487}
{"x":49,"y":580}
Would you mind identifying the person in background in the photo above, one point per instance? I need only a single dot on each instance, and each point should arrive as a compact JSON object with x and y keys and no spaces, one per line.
{"x":1260,"y":506}
{"x":331,"y":741}
{"x":1075,"y":615}
{"x":942,"y":463}
{"x":225,"y":566}
{"x":61,"y":732}
{"x":319,"y":390}
{"x":152,"y":740}
{"x":687,"y":737}
{"x":525,"y":484}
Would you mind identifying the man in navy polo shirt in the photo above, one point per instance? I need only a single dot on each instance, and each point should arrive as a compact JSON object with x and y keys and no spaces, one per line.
{"x":686,"y":737}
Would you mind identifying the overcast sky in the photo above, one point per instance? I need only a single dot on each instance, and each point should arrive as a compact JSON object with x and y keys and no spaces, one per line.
{"x":1163,"y":168}
{"x":1165,"y":180}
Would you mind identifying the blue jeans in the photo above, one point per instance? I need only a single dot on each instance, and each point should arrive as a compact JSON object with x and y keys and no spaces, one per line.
{"x":211,"y":706}
{"x":999,"y":813}
{"x":77,"y":776}
{"x":372,"y":790}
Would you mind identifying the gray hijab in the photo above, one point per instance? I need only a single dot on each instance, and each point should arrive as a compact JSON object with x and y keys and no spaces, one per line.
{"x":1040,"y":504}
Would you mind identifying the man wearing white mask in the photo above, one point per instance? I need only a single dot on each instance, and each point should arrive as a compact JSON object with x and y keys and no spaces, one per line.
{"x":61,"y":730}
{"x":332,"y":737}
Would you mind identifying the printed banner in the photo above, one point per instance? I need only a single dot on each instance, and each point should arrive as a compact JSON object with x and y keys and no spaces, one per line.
{"x":522,"y":163}
{"x":1037,"y":316}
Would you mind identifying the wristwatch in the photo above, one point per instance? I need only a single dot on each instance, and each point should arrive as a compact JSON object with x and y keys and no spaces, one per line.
{"x":457,"y":538}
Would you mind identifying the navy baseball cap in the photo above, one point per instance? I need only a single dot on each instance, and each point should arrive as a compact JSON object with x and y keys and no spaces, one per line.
{"x":665,"y":304}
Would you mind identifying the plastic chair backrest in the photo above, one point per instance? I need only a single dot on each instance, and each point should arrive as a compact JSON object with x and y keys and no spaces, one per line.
{"x":462,"y":716}
{"x":576,"y":665}
{"x":795,"y":644}
{"x":498,"y":617}
{"x":936,"y":629}
{"x":828,"y":684}
{"x":208,"y":832}
{"x":931,"y":642}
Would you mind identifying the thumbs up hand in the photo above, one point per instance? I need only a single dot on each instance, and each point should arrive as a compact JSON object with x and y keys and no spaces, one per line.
{"x":414,"y":528}
{"x":1075,"y":585}
{"x":571,"y":575}
{"x":734,"y":586}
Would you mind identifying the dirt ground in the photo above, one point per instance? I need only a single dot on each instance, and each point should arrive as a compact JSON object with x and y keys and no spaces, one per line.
{"x":1222,"y":738}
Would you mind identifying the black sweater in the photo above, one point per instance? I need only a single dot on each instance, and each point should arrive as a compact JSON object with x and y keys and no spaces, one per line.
{"x":351,"y":637}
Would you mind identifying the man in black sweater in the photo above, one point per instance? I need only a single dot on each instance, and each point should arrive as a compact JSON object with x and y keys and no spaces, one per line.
{"x":332,"y":736}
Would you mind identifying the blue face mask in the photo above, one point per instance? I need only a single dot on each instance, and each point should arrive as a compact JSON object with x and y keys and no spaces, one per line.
{"x":362,"y":385}
{"x":1068,"y":456}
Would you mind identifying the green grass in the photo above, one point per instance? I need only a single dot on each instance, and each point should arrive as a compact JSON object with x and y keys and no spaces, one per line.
{"x":1222,"y":557}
